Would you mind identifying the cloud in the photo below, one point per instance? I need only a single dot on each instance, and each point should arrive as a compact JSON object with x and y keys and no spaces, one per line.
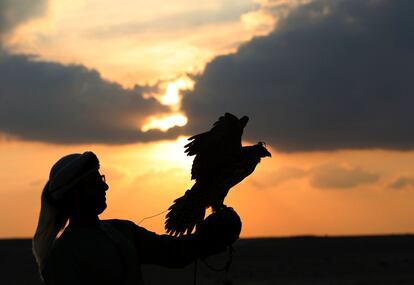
{"x":287,"y":173}
{"x":333,"y":75}
{"x":325,"y":176}
{"x":15,"y":12}
{"x":280,"y":176}
{"x":69,"y":104}
{"x":330,"y":176}
{"x":224,"y":12}
{"x":403,"y":182}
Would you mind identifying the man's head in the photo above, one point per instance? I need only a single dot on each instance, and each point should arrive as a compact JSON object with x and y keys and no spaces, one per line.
{"x":75,"y":184}
{"x":75,"y":187}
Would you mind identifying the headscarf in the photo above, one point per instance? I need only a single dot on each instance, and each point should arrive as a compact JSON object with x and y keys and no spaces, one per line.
{"x":64,"y":176}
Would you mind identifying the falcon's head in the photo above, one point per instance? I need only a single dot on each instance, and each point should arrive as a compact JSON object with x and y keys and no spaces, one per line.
{"x":261,"y":149}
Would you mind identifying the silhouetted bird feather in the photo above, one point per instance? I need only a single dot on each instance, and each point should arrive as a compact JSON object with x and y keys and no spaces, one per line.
{"x":220,"y":163}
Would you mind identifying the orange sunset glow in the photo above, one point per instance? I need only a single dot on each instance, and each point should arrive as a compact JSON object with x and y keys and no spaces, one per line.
{"x":133,"y":82}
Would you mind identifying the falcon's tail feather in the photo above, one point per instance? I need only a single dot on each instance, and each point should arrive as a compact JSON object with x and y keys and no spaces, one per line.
{"x":186,"y":212}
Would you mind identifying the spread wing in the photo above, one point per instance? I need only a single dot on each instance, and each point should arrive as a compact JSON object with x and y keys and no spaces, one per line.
{"x":215,"y":148}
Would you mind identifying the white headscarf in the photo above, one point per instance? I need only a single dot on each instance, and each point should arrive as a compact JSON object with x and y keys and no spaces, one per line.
{"x":63,"y":177}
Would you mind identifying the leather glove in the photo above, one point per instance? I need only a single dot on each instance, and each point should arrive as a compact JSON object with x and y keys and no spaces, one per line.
{"x":218,"y":231}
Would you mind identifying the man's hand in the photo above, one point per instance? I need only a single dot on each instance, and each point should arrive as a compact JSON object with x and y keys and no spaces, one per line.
{"x":218,"y":231}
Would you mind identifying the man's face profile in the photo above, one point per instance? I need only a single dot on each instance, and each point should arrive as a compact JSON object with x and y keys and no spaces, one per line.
{"x":91,"y":195}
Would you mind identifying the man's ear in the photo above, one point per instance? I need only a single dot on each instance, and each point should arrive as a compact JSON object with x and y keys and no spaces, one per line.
{"x":67,"y":203}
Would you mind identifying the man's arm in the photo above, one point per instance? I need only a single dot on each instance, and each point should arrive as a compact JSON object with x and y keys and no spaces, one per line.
{"x":167,"y":250}
{"x":213,"y":235}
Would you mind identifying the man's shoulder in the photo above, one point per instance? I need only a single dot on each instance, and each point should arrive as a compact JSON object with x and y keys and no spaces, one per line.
{"x":118,"y":223}
{"x":123,"y":225}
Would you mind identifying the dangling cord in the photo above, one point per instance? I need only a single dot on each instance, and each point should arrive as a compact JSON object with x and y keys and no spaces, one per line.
{"x":225,"y":268}
{"x":227,"y":281}
{"x":153,"y":216}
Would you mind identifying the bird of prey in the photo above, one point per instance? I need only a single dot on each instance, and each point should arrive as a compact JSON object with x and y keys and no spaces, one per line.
{"x":220,"y":163}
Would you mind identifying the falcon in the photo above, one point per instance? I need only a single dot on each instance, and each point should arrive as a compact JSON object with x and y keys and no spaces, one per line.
{"x":220,"y":163}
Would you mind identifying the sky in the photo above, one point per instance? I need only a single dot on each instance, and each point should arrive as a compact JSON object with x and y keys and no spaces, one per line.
{"x":326,"y":84}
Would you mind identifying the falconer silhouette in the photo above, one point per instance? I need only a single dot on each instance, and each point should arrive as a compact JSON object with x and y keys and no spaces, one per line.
{"x":94,"y":251}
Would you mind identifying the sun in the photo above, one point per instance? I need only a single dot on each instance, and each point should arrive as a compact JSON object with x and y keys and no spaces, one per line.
{"x":171,"y":97}
{"x":165,"y":123}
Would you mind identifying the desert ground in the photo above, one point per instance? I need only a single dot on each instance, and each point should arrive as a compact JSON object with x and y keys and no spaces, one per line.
{"x":309,"y":260}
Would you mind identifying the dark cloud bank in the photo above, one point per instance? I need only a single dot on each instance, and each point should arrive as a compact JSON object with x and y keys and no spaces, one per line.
{"x":45,"y":101}
{"x":334,"y":75}
{"x":56,"y":103}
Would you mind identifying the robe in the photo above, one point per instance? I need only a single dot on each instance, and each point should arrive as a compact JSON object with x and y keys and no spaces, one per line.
{"x":112,"y":254}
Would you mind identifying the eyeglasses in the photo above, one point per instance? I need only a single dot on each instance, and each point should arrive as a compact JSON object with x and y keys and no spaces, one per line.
{"x":94,"y":179}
